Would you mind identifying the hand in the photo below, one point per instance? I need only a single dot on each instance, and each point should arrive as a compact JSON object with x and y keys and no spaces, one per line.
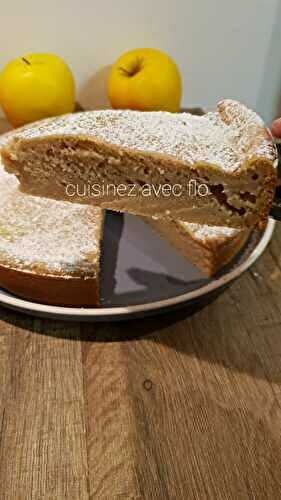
{"x":276,"y":128}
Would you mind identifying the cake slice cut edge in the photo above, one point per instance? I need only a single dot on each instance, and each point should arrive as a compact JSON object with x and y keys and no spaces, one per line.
{"x":124,"y":161}
{"x":49,"y":250}
{"x":208,"y":248}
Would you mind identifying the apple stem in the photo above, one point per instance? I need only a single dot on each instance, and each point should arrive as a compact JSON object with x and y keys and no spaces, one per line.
{"x":26,"y":61}
{"x":123,"y":70}
{"x":133,"y":69}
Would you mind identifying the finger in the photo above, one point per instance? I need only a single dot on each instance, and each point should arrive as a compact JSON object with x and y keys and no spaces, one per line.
{"x":276,"y":128}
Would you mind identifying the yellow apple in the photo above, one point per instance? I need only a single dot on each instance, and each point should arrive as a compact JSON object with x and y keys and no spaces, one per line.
{"x":145,"y":79}
{"x":36,"y":86}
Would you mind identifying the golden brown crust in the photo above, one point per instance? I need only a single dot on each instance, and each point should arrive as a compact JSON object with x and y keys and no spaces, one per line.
{"x":37,"y":282}
{"x":253,"y":138}
{"x":52,"y":290}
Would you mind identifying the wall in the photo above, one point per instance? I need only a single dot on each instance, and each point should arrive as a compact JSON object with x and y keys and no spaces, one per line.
{"x":223,"y":48}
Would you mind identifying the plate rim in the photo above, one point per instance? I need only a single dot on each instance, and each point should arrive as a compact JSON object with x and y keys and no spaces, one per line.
{"x":111,"y":313}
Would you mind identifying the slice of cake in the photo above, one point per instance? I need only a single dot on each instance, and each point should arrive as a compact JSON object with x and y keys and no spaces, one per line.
{"x":209,"y":248}
{"x":217,"y":169}
{"x":49,"y":250}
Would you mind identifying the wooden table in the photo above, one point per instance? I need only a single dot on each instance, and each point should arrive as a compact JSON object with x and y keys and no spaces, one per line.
{"x":192,"y":411}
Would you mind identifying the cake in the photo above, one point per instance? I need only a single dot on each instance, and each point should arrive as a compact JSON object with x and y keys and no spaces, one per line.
{"x":218,"y":169}
{"x":49,"y":250}
{"x":209,"y":248}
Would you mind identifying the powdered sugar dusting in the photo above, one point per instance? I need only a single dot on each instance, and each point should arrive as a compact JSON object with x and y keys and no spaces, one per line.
{"x":225,"y":138}
{"x":209,"y":233}
{"x":60,"y":237}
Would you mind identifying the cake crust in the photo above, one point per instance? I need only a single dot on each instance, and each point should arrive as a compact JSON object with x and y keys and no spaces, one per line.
{"x":56,"y":290}
{"x":49,"y":250}
{"x":230,"y":151}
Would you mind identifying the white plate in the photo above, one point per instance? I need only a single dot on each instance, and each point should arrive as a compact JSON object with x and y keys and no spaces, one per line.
{"x":143,"y":275}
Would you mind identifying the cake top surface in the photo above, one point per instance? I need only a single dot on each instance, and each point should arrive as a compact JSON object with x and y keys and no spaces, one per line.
{"x":207,"y":234}
{"x":41,"y":234}
{"x":226,"y":138}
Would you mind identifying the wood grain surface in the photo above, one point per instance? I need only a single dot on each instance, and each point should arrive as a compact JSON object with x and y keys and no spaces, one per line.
{"x":190,"y":411}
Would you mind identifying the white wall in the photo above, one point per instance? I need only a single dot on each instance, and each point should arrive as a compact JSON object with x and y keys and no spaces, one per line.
{"x":224,"y":48}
